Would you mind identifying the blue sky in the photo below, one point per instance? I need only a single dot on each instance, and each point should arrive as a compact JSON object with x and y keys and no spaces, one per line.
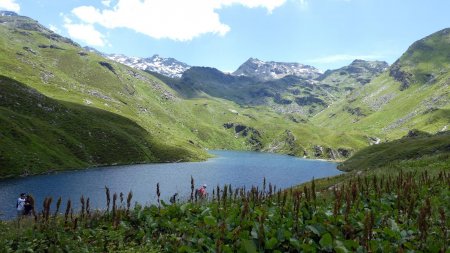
{"x":327,"y":34}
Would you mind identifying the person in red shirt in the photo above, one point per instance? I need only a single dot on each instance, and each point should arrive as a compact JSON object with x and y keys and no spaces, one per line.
{"x":202,"y":191}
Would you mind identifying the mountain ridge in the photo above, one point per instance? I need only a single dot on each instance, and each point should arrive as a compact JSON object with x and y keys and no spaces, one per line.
{"x":271,"y":70}
{"x":166,"y":66}
{"x":413,"y":93}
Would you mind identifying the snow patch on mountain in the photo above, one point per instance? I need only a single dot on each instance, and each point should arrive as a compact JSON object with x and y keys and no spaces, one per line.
{"x":271,"y":70}
{"x":166,"y":66}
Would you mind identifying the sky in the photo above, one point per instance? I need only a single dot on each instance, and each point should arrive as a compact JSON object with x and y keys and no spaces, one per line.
{"x":326,"y":34}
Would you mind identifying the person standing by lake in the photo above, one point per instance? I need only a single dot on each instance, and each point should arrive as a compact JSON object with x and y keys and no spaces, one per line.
{"x":20,"y":205}
{"x":202,"y":192}
{"x":29,"y":205}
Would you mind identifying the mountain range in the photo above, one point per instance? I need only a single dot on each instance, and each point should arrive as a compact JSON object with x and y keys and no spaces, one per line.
{"x":254,"y":68}
{"x":285,"y":87}
{"x":63,"y":106}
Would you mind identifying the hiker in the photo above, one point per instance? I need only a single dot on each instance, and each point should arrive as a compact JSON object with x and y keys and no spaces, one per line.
{"x":20,"y":205}
{"x":29,"y":205}
{"x":202,"y":191}
{"x":173,"y":199}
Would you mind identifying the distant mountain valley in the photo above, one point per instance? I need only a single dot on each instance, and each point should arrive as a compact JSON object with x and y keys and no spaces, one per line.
{"x":167,"y":110}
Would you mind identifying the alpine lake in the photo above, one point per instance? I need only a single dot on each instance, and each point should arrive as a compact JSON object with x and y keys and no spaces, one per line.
{"x":235,"y":168}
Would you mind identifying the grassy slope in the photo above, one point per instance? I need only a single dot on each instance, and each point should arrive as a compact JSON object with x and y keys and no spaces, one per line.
{"x":39,"y":134}
{"x":58,"y":69}
{"x":407,"y":148}
{"x":383,"y":109}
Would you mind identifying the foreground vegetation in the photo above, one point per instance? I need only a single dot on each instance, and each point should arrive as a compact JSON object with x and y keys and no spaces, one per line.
{"x":402,"y":212}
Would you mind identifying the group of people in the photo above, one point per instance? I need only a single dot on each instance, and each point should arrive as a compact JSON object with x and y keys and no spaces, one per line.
{"x":24,"y":205}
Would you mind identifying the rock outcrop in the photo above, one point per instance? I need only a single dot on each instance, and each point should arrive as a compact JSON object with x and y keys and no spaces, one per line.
{"x":271,"y":70}
{"x":252,"y":135}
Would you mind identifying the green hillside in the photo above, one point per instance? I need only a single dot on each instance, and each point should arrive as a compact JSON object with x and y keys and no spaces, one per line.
{"x":40,"y":134}
{"x":35,"y":57}
{"x":415,"y":147}
{"x":400,"y":99}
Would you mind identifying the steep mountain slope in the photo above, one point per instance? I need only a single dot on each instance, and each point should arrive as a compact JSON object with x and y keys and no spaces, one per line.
{"x":412,"y":147}
{"x":427,"y":61}
{"x":265,"y":71}
{"x":413,"y":93}
{"x":348,"y":78}
{"x":39,"y":134}
{"x":166,"y":66}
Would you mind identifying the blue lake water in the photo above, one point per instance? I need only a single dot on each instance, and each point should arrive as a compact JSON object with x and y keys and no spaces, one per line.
{"x":228,"y":167}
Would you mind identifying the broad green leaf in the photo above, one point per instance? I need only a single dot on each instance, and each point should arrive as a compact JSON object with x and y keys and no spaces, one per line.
{"x":206,"y":211}
{"x":271,"y":243}
{"x":184,"y":207}
{"x":210,"y":220}
{"x":340,"y":249}
{"x":227,"y":249}
{"x":351,"y":244}
{"x":393,"y":225}
{"x":313,"y":229}
{"x":294,"y":242}
{"x":326,"y":241}
{"x":249,"y":246}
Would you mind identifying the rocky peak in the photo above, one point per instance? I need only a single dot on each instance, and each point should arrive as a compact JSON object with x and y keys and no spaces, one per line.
{"x":13,"y":20}
{"x":370,"y":66}
{"x":272,"y":70}
{"x":8,"y":14}
{"x":359,"y":71}
{"x":166,"y":66}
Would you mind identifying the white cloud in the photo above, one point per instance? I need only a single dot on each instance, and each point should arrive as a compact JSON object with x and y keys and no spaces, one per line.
{"x":53,"y":28}
{"x":9,"y":5}
{"x":270,"y":5}
{"x":173,"y":19}
{"x":106,"y":2}
{"x":86,"y":33}
{"x":344,"y":57}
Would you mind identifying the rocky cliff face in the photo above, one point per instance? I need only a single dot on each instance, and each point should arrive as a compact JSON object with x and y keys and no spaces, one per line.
{"x":166,"y":66}
{"x":271,"y":70}
{"x":399,"y":75}
{"x":358,"y":72}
